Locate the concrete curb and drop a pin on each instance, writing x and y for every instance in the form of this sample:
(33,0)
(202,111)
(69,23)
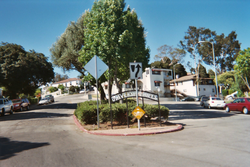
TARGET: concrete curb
(179,127)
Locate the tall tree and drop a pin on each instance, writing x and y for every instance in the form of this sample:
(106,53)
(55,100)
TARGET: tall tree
(59,77)
(242,66)
(203,72)
(23,71)
(116,36)
(65,51)
(174,54)
(226,50)
(211,73)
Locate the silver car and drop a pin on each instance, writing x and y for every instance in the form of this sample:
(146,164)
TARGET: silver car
(6,106)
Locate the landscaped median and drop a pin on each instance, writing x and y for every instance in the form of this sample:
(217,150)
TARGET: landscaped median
(85,117)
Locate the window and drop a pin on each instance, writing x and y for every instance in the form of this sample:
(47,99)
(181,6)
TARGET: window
(127,86)
(156,72)
(106,86)
(213,90)
(157,84)
(204,89)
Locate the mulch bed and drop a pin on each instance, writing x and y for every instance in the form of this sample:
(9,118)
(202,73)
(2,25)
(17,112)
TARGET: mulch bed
(107,126)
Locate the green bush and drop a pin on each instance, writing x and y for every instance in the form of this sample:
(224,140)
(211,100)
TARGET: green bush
(61,87)
(52,89)
(33,100)
(86,112)
(224,92)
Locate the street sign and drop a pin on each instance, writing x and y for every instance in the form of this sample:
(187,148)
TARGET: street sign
(135,70)
(138,112)
(101,67)
(96,67)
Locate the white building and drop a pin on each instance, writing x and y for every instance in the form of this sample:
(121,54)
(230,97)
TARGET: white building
(187,86)
(68,82)
(153,80)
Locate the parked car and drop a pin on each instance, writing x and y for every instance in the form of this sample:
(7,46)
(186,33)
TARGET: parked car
(20,104)
(240,104)
(198,98)
(84,91)
(203,99)
(6,105)
(44,100)
(50,97)
(214,102)
(187,99)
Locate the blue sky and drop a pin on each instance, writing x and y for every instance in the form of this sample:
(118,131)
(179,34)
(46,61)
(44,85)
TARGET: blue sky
(36,24)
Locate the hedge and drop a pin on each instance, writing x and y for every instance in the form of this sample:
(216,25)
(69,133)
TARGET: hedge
(86,112)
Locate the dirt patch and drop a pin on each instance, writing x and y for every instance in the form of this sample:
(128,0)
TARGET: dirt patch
(107,126)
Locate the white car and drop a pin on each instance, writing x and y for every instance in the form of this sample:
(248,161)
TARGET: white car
(6,106)
(83,91)
(44,101)
(214,102)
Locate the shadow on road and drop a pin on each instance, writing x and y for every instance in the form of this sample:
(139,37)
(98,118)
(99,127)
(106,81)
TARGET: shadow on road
(32,115)
(55,106)
(179,115)
(9,148)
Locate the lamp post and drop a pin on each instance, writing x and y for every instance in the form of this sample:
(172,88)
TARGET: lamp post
(214,66)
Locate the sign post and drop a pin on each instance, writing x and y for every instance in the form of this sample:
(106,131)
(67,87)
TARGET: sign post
(136,73)
(100,68)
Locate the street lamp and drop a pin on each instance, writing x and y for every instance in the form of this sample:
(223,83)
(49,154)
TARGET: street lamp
(214,66)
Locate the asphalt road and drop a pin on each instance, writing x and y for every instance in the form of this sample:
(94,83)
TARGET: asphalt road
(47,136)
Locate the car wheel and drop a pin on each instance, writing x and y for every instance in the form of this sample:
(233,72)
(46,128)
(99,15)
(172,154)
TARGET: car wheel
(21,109)
(245,110)
(3,112)
(11,111)
(28,107)
(209,106)
(227,109)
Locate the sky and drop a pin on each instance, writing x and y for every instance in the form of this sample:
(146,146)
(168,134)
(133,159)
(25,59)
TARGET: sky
(36,24)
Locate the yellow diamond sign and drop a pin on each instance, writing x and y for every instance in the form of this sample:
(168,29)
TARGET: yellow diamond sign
(138,112)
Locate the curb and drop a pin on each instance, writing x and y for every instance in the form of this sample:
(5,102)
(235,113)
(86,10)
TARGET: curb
(179,127)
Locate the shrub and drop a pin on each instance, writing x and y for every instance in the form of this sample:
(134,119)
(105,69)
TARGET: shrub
(61,87)
(224,92)
(52,89)
(86,112)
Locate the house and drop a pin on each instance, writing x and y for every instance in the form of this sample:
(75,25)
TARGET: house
(156,80)
(186,86)
(68,82)
(153,80)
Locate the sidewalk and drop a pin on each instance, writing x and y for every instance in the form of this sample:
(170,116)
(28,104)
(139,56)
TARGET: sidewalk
(131,131)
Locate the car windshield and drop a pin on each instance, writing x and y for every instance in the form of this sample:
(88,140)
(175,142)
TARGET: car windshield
(16,101)
(216,98)
(248,99)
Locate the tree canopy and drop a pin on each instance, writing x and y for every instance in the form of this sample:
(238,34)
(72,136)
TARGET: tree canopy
(116,36)
(242,66)
(23,71)
(65,51)
(226,47)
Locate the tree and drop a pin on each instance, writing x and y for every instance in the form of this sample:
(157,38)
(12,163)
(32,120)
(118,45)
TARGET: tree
(65,51)
(226,49)
(117,37)
(23,71)
(179,70)
(203,72)
(242,66)
(175,55)
(211,73)
(59,77)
